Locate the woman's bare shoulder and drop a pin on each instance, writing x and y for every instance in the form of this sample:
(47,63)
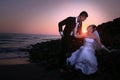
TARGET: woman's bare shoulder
(94,36)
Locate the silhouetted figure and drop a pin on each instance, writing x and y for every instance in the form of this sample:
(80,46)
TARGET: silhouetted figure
(68,39)
(84,58)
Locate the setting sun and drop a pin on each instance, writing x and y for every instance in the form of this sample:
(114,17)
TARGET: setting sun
(84,29)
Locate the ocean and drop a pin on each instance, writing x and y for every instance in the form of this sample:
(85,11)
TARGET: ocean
(12,43)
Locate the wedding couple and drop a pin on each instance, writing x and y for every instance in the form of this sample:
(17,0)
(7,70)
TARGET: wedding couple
(83,58)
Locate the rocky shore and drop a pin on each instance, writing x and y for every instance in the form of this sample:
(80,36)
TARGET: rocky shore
(47,53)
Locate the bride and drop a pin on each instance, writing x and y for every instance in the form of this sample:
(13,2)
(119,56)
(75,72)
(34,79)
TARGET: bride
(84,58)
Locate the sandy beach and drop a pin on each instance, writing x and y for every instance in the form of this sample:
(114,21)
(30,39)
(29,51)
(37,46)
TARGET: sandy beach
(13,61)
(22,69)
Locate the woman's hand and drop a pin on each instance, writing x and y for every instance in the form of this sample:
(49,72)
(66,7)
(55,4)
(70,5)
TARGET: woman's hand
(103,47)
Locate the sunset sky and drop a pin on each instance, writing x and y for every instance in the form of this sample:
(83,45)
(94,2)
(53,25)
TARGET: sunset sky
(42,16)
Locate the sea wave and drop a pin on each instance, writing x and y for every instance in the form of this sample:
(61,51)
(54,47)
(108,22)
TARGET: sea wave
(14,45)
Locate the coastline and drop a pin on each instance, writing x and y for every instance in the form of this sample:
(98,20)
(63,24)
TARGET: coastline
(45,65)
(14,46)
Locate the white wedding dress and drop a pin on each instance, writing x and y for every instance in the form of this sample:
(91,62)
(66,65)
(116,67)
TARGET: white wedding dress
(84,58)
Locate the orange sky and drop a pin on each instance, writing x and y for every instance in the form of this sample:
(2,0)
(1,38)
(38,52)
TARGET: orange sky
(42,17)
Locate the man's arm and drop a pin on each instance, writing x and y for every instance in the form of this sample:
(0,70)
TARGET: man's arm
(61,24)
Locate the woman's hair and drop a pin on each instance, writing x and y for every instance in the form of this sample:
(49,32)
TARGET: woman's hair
(93,26)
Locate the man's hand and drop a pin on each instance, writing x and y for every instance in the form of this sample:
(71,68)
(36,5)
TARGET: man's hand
(61,34)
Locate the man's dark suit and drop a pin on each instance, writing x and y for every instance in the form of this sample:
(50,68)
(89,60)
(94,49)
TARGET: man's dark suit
(69,42)
(70,24)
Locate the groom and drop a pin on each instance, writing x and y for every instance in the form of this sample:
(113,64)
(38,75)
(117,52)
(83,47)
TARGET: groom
(68,39)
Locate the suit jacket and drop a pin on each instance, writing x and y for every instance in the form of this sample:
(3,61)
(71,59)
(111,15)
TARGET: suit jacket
(69,23)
